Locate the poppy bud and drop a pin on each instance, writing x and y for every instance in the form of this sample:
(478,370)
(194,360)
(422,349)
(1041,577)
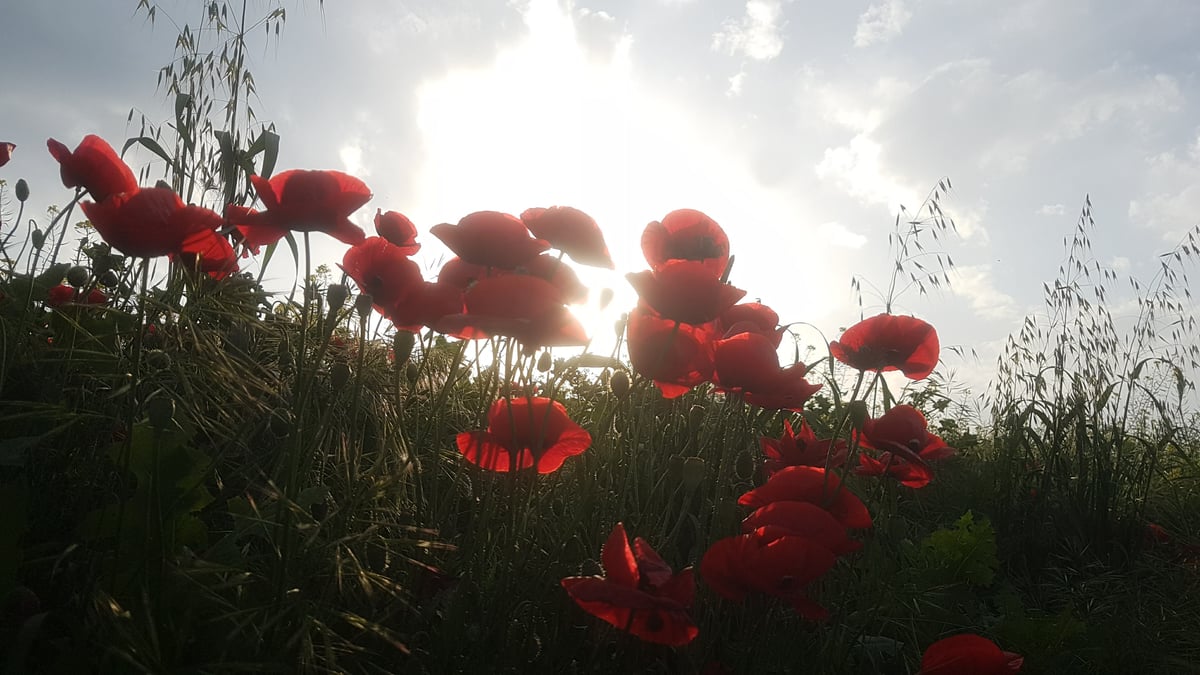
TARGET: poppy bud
(38,238)
(339,375)
(402,345)
(157,359)
(363,304)
(606,297)
(858,415)
(411,372)
(544,362)
(319,510)
(22,190)
(161,411)
(336,294)
(696,416)
(109,279)
(281,422)
(618,384)
(78,276)
(162,184)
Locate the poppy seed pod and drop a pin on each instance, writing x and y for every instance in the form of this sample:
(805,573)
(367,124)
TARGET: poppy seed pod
(544,362)
(22,190)
(109,278)
(618,384)
(157,359)
(78,276)
(411,372)
(38,238)
(363,304)
(336,294)
(402,345)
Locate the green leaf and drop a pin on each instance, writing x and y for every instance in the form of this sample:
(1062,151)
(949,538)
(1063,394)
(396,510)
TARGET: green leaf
(153,146)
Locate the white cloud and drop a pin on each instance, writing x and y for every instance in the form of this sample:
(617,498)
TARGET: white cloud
(756,35)
(839,235)
(1051,210)
(735,84)
(1171,205)
(881,23)
(351,155)
(974,284)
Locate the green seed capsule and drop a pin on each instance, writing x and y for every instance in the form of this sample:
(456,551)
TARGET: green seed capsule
(22,190)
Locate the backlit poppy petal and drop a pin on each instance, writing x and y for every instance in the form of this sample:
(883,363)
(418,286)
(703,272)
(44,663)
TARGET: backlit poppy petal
(888,342)
(683,290)
(571,231)
(94,166)
(686,234)
(490,238)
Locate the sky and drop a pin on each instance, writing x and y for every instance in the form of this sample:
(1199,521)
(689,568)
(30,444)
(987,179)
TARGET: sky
(802,128)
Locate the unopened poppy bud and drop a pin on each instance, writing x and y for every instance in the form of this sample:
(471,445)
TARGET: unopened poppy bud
(858,415)
(363,304)
(78,276)
(281,422)
(38,238)
(411,372)
(402,345)
(337,294)
(339,375)
(618,384)
(161,410)
(544,362)
(319,510)
(22,190)
(158,359)
(109,279)
(606,297)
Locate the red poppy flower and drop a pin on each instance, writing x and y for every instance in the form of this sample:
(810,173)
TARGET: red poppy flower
(461,274)
(571,231)
(968,654)
(149,222)
(677,356)
(490,238)
(1156,534)
(519,306)
(524,432)
(383,270)
(560,274)
(803,519)
(209,253)
(802,449)
(909,474)
(63,294)
(748,365)
(398,230)
(686,234)
(95,166)
(6,150)
(903,434)
(814,485)
(639,594)
(427,306)
(750,317)
(304,201)
(764,561)
(683,290)
(887,342)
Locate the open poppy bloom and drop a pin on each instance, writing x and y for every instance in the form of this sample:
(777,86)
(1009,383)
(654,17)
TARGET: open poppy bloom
(686,234)
(639,593)
(209,253)
(677,356)
(491,239)
(814,485)
(748,365)
(968,654)
(461,274)
(571,231)
(902,433)
(888,342)
(519,306)
(530,431)
(771,562)
(149,222)
(398,230)
(801,449)
(750,317)
(384,271)
(803,519)
(683,290)
(6,150)
(94,166)
(303,201)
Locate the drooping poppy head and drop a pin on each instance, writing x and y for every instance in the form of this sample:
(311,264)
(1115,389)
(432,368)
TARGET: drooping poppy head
(686,234)
(968,654)
(491,239)
(571,231)
(814,485)
(149,222)
(768,562)
(888,342)
(530,431)
(683,290)
(801,449)
(639,593)
(94,166)
(676,356)
(306,201)
(6,150)
(398,230)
